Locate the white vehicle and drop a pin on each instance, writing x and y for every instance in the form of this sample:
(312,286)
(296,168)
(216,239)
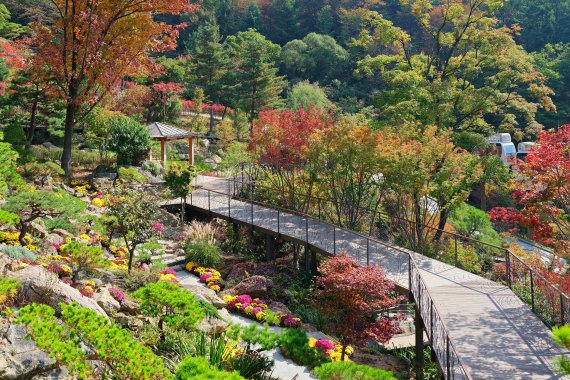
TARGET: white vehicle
(504,147)
(523,148)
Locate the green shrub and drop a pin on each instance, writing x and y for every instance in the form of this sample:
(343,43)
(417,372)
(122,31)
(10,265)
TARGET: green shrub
(8,289)
(131,175)
(204,254)
(83,257)
(60,223)
(295,344)
(198,368)
(251,364)
(18,252)
(138,278)
(174,307)
(81,327)
(129,139)
(351,371)
(153,167)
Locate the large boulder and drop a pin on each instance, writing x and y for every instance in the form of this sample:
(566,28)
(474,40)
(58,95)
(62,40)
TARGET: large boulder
(129,307)
(20,358)
(63,233)
(205,294)
(42,286)
(107,302)
(255,286)
(214,326)
(38,230)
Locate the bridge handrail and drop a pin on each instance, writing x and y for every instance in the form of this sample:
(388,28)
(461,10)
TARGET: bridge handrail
(511,262)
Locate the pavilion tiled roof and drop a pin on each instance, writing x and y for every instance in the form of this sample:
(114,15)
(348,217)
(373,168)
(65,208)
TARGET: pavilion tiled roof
(164,131)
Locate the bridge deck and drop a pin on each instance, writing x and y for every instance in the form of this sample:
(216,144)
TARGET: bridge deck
(495,335)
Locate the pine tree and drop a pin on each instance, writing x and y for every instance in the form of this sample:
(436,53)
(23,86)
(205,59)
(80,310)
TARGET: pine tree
(209,64)
(255,71)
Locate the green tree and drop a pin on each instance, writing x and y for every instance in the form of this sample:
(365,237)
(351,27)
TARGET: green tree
(461,71)
(317,57)
(282,23)
(304,94)
(9,177)
(209,64)
(80,328)
(129,139)
(562,338)
(10,30)
(173,306)
(179,181)
(132,216)
(31,205)
(254,71)
(97,127)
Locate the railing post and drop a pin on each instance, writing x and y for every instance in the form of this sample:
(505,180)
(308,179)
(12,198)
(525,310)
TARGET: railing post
(456,256)
(531,290)
(508,267)
(251,203)
(209,208)
(278,224)
(419,339)
(334,240)
(562,309)
(410,293)
(229,206)
(307,229)
(319,207)
(367,251)
(448,364)
(431,324)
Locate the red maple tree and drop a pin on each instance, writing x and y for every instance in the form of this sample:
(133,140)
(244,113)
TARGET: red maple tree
(542,192)
(94,44)
(355,300)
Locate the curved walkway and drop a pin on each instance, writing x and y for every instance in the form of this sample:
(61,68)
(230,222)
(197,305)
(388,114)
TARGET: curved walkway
(479,329)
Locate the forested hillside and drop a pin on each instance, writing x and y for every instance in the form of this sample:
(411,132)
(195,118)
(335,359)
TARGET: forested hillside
(459,66)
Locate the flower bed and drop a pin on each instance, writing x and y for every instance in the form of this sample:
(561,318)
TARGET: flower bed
(209,276)
(257,309)
(169,275)
(331,349)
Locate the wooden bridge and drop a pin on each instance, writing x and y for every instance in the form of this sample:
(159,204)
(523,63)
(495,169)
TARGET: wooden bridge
(479,329)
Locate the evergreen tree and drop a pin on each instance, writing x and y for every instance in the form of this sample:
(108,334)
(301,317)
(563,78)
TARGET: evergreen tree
(209,64)
(255,73)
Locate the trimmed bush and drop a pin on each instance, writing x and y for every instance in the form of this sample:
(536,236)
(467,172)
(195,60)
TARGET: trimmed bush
(202,253)
(199,368)
(131,175)
(295,345)
(351,371)
(129,139)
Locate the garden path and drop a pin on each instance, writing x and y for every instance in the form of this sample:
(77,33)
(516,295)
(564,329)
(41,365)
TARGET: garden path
(284,369)
(479,329)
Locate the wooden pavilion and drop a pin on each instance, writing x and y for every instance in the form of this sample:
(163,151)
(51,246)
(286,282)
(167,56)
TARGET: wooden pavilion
(164,133)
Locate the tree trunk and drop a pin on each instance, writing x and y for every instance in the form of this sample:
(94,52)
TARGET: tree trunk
(67,138)
(32,126)
(23,228)
(212,120)
(443,215)
(483,197)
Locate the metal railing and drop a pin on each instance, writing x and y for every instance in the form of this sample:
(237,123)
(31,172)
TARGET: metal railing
(546,300)
(276,219)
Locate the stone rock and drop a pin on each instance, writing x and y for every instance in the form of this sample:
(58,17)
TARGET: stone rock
(279,307)
(217,159)
(208,295)
(49,145)
(255,286)
(38,230)
(63,233)
(6,262)
(215,326)
(307,327)
(205,143)
(106,301)
(20,358)
(54,239)
(383,361)
(129,307)
(42,286)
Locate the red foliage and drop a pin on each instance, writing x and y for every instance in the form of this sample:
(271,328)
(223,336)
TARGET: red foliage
(12,56)
(351,296)
(189,106)
(542,192)
(281,138)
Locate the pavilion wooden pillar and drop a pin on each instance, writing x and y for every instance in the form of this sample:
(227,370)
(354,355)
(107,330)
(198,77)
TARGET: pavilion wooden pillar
(163,152)
(191,150)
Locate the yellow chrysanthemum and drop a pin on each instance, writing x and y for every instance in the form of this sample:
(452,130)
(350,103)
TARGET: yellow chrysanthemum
(228,298)
(98,202)
(191,266)
(260,316)
(215,288)
(312,342)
